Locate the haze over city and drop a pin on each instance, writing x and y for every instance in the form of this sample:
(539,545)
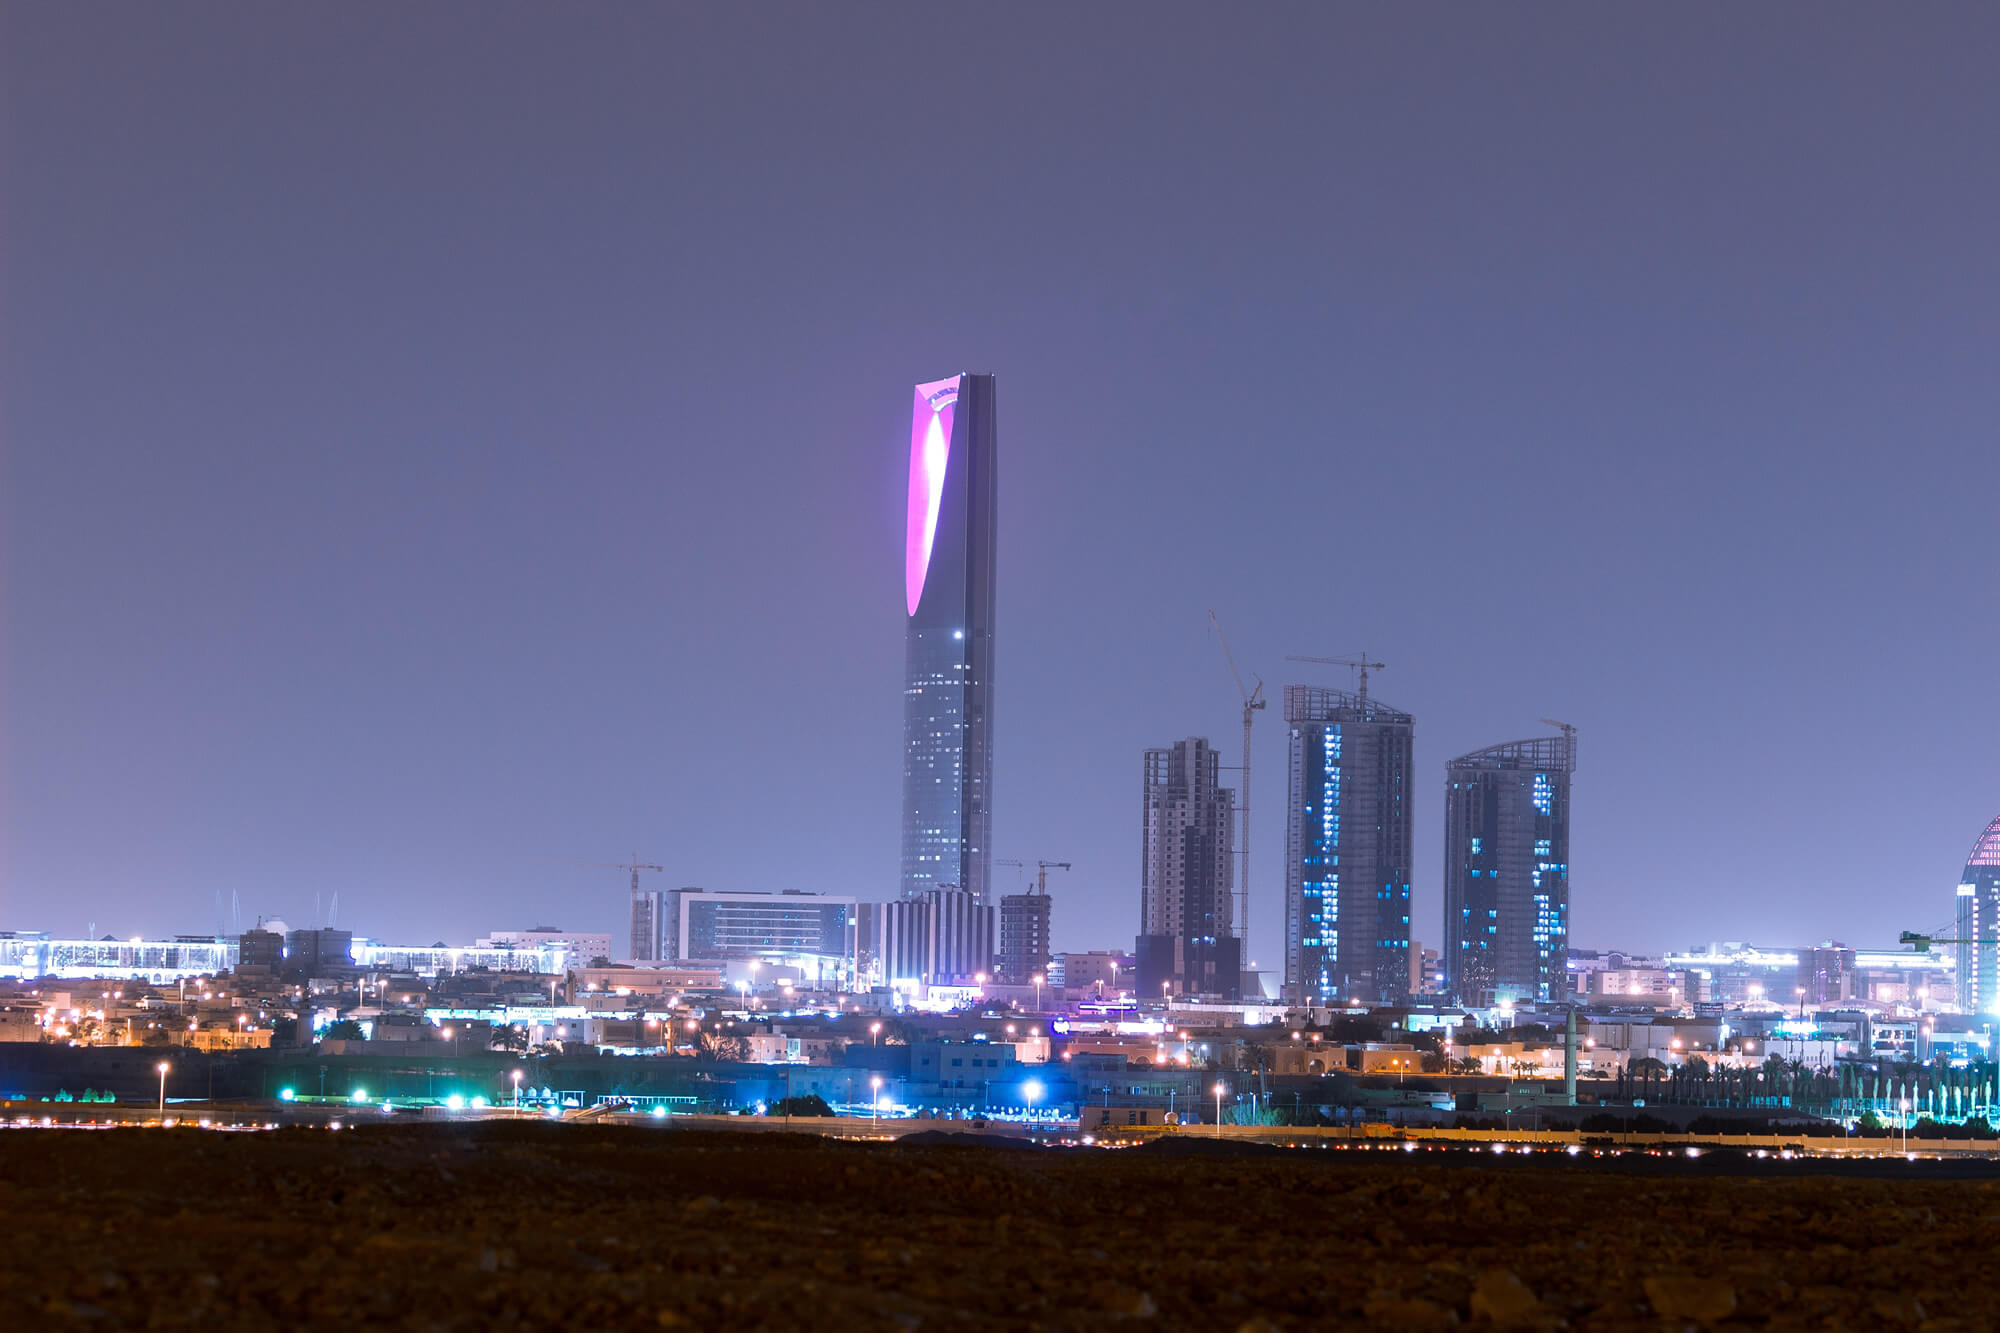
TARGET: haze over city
(445,446)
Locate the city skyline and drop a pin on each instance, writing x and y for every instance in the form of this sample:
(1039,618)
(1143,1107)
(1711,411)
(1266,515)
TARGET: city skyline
(410,500)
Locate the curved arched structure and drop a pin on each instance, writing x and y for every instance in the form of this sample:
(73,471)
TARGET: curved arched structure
(1977,923)
(948,543)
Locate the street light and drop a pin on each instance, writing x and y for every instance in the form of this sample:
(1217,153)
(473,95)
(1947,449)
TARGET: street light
(1038,992)
(1219,1090)
(1906,1126)
(517,1090)
(875,1034)
(874,1101)
(162,1067)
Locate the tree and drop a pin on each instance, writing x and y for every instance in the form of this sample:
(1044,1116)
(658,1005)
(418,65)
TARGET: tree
(513,1037)
(345,1029)
(718,1047)
(809,1104)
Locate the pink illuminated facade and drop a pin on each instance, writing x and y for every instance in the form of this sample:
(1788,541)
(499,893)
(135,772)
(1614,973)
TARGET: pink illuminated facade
(948,544)
(930,451)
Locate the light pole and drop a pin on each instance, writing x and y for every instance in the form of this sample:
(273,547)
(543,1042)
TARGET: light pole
(1219,1090)
(1906,1126)
(162,1067)
(874,1101)
(875,1034)
(517,1090)
(1038,992)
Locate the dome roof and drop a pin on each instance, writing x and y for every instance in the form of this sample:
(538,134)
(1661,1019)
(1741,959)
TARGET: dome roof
(1986,852)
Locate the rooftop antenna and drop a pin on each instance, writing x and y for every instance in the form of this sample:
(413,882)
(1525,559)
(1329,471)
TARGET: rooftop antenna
(1361,662)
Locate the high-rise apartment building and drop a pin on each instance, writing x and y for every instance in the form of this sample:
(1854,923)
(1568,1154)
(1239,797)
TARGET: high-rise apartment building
(1506,871)
(1024,937)
(1978,926)
(1347,848)
(948,639)
(1187,877)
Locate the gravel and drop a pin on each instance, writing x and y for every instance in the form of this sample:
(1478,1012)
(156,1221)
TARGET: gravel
(526,1225)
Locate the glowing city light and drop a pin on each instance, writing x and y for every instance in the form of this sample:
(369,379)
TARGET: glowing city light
(930,451)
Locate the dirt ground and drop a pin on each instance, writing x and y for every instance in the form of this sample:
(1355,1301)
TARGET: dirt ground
(544,1226)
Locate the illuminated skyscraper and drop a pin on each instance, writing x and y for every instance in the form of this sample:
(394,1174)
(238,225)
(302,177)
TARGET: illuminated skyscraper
(948,640)
(1506,871)
(1347,848)
(1187,938)
(1978,922)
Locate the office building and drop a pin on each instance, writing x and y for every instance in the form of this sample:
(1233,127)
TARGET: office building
(583,948)
(260,948)
(1506,871)
(1187,941)
(948,640)
(1347,848)
(1103,973)
(1827,975)
(319,953)
(1977,922)
(807,930)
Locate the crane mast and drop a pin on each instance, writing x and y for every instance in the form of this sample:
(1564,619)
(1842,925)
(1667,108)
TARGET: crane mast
(1253,699)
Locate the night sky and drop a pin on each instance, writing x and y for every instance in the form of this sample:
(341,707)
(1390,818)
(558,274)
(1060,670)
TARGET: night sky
(443,445)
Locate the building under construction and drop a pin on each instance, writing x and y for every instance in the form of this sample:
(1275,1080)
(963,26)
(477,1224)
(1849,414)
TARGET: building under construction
(1187,942)
(1347,847)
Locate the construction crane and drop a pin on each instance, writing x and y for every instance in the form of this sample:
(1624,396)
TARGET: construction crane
(1569,738)
(1253,700)
(1360,663)
(1042,869)
(634,865)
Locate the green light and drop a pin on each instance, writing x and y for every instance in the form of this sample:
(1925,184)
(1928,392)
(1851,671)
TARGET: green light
(285,1094)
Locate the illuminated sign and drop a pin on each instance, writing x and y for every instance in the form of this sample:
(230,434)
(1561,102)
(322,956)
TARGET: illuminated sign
(930,449)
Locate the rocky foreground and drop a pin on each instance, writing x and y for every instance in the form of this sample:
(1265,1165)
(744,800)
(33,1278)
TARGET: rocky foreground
(545,1226)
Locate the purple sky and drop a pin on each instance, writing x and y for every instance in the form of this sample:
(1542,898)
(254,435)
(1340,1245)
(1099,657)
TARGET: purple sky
(445,445)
